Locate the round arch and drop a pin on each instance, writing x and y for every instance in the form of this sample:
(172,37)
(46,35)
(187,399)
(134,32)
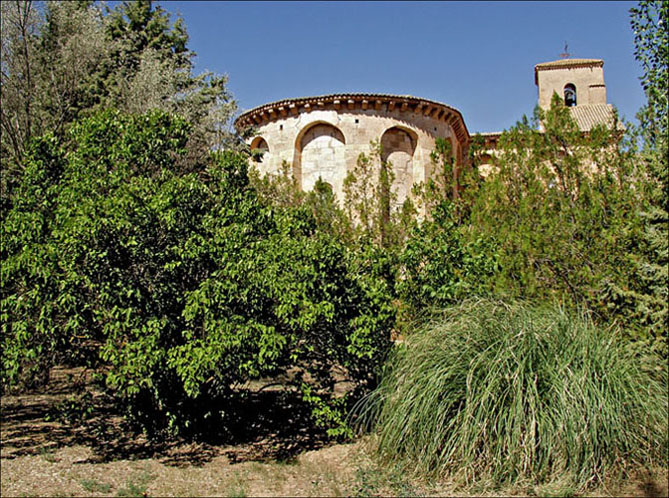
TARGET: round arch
(259,150)
(320,153)
(398,147)
(569,95)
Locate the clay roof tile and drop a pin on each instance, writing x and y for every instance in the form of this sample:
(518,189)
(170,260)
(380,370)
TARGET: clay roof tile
(589,116)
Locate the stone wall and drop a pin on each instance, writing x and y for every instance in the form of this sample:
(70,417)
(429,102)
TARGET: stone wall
(325,140)
(587,75)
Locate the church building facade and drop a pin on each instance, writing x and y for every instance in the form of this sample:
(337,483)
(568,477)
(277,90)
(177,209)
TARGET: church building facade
(323,136)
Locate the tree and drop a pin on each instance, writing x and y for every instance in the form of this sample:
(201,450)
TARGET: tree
(370,201)
(150,67)
(561,206)
(179,281)
(647,299)
(71,59)
(457,185)
(442,265)
(20,25)
(650,23)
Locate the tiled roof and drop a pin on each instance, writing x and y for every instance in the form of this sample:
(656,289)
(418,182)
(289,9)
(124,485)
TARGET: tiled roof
(588,116)
(344,96)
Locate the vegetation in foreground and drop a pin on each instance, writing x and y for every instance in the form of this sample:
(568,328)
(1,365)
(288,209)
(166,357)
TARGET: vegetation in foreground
(93,454)
(510,393)
(182,283)
(182,278)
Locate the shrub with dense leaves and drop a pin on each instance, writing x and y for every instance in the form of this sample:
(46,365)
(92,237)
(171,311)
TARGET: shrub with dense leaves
(506,393)
(440,266)
(178,280)
(565,209)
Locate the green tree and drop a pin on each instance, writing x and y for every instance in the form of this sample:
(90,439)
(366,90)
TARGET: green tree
(180,281)
(371,201)
(442,182)
(280,189)
(442,264)
(649,21)
(646,300)
(564,208)
(71,59)
(360,194)
(150,66)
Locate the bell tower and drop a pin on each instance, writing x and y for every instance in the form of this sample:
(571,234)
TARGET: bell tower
(578,82)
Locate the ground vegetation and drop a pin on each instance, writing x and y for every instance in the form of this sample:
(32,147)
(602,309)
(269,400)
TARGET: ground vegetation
(515,393)
(139,243)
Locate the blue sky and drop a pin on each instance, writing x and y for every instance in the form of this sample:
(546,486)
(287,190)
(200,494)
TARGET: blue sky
(478,57)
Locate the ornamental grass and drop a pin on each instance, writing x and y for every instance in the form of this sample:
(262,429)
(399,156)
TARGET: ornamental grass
(505,394)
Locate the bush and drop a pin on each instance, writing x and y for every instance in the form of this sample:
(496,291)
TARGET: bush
(184,285)
(441,267)
(509,392)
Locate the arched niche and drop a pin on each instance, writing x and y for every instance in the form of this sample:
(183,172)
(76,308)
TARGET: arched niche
(320,152)
(259,150)
(398,147)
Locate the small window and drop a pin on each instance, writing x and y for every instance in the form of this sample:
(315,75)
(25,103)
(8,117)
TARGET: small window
(357,121)
(569,95)
(259,148)
(280,127)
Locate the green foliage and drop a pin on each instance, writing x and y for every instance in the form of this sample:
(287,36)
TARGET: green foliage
(647,299)
(360,193)
(330,415)
(650,20)
(442,182)
(512,393)
(185,284)
(279,190)
(441,266)
(329,217)
(563,208)
(371,202)
(69,60)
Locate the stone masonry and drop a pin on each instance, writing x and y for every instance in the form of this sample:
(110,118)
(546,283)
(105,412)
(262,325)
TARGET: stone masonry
(323,136)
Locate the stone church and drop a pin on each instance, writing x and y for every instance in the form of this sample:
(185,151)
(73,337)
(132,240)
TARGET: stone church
(323,136)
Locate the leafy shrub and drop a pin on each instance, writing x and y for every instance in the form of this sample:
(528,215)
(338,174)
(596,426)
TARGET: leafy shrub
(440,266)
(88,234)
(509,392)
(183,282)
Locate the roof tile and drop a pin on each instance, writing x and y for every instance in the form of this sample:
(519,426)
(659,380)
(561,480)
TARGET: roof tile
(589,116)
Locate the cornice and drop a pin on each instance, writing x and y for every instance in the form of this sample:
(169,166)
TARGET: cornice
(355,101)
(566,64)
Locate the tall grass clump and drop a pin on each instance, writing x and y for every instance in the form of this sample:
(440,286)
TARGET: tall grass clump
(510,393)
